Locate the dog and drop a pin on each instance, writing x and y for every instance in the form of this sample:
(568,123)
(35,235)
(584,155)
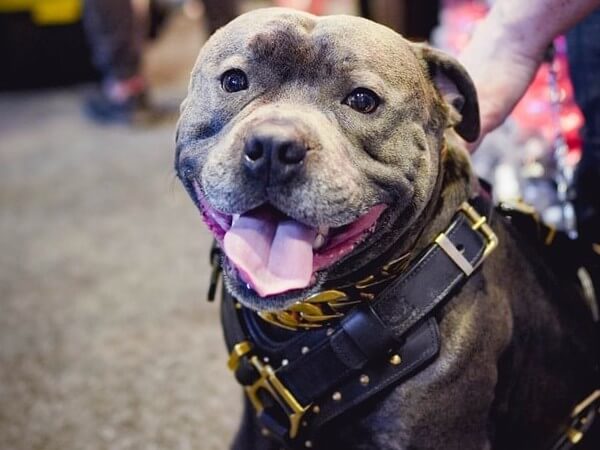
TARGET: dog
(317,148)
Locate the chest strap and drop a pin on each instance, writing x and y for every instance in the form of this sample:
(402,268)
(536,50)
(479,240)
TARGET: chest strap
(301,381)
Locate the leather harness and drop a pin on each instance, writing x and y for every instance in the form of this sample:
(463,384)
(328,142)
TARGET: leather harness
(298,382)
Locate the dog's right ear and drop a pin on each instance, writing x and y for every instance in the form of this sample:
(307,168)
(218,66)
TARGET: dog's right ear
(456,89)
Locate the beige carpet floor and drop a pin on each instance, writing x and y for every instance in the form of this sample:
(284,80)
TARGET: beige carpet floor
(106,341)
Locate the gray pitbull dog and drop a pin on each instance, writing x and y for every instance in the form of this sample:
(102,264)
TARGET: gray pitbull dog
(313,146)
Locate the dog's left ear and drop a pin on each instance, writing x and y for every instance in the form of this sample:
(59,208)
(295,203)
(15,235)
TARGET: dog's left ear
(456,88)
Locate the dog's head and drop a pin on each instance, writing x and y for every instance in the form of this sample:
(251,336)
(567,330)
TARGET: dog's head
(311,144)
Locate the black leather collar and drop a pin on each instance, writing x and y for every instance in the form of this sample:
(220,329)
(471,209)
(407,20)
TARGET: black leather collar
(298,382)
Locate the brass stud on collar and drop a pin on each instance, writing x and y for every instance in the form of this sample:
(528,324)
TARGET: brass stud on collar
(308,444)
(316,409)
(304,350)
(265,432)
(238,305)
(266,359)
(364,379)
(337,396)
(329,331)
(284,362)
(395,359)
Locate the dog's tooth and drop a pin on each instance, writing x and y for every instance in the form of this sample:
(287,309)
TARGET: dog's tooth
(324,230)
(319,241)
(234,218)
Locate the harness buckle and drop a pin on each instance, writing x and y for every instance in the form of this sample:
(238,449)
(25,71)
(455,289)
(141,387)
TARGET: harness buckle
(270,384)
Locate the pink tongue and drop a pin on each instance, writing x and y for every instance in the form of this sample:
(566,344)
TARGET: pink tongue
(272,256)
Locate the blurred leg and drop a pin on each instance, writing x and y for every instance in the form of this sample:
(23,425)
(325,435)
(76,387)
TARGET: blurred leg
(584,58)
(111,30)
(115,38)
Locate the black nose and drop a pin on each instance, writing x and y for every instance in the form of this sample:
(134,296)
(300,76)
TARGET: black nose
(274,154)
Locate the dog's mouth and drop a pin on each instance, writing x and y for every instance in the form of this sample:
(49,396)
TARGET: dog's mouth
(274,253)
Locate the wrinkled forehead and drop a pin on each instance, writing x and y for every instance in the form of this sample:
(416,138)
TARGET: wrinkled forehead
(292,44)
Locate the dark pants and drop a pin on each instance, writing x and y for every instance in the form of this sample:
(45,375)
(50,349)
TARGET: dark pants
(584,59)
(116,37)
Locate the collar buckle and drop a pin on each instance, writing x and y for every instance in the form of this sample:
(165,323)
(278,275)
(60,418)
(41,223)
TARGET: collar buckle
(478,224)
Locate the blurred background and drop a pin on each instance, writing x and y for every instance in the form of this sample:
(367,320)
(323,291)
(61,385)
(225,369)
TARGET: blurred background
(106,341)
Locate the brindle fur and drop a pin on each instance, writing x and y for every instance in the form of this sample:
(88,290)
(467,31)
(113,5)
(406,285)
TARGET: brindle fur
(516,341)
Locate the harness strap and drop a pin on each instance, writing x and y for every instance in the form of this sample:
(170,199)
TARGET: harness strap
(376,345)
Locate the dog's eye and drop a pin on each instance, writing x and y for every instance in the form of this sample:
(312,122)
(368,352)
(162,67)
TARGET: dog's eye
(234,80)
(362,100)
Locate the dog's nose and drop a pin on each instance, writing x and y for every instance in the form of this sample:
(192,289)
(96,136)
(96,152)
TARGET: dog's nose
(274,156)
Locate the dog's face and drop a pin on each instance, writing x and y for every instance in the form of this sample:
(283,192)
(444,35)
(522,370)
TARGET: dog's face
(311,144)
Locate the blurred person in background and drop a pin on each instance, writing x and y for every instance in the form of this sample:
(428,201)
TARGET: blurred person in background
(502,57)
(116,31)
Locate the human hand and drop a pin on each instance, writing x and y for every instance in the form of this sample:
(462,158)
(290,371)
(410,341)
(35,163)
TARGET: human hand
(502,66)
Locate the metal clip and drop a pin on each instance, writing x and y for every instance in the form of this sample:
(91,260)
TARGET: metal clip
(269,383)
(479,223)
(580,422)
(239,350)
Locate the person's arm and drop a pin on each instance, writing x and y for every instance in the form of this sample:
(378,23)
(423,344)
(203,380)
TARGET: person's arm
(508,46)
